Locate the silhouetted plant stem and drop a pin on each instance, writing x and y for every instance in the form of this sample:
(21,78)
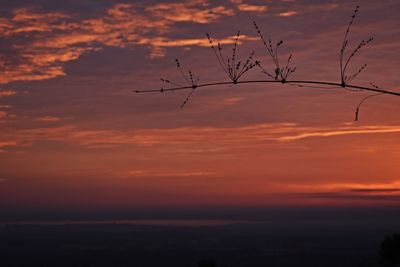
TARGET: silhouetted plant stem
(301,82)
(345,79)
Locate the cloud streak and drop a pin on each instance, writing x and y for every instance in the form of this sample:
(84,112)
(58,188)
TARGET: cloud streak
(250,135)
(343,131)
(6,93)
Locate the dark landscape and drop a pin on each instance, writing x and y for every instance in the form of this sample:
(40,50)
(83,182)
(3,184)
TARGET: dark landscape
(314,240)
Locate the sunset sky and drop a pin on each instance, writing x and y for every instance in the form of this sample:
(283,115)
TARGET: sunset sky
(74,135)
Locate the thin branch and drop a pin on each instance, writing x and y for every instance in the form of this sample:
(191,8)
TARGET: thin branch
(281,74)
(345,42)
(365,99)
(231,66)
(362,101)
(302,82)
(343,67)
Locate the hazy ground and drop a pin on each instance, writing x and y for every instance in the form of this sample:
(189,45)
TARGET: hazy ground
(268,243)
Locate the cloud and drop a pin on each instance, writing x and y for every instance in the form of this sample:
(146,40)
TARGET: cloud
(391,186)
(49,119)
(191,11)
(6,106)
(288,14)
(44,41)
(159,44)
(241,6)
(231,101)
(389,191)
(4,144)
(342,196)
(215,137)
(375,190)
(343,131)
(6,93)
(158,173)
(252,8)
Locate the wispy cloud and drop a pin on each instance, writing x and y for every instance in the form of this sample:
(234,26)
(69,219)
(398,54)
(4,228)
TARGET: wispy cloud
(6,93)
(159,44)
(191,11)
(252,8)
(288,13)
(343,131)
(6,106)
(231,101)
(250,135)
(4,144)
(166,173)
(242,6)
(388,192)
(48,119)
(391,186)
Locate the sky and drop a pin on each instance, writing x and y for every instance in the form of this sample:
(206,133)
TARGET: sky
(73,134)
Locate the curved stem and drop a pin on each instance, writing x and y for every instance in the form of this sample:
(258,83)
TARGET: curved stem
(304,82)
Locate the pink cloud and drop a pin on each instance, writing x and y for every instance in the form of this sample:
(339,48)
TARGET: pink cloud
(49,119)
(288,13)
(6,93)
(6,106)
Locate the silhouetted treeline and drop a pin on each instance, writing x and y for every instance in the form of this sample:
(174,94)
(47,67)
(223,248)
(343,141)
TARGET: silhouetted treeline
(390,250)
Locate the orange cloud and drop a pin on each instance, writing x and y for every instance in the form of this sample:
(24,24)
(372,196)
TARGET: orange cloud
(186,137)
(288,13)
(159,44)
(343,131)
(25,14)
(55,38)
(252,8)
(249,8)
(7,143)
(191,11)
(232,101)
(48,119)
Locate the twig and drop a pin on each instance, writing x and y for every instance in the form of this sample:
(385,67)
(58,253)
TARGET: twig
(280,74)
(365,99)
(343,67)
(233,69)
